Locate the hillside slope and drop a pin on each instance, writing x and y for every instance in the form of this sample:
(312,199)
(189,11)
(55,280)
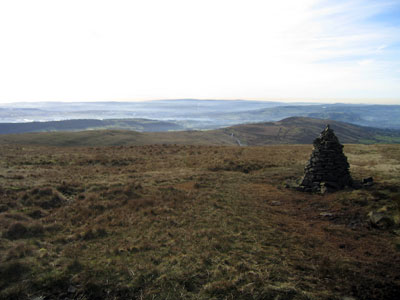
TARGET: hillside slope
(302,130)
(295,130)
(89,124)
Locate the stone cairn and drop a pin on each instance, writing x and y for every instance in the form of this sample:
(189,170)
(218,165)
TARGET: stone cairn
(328,169)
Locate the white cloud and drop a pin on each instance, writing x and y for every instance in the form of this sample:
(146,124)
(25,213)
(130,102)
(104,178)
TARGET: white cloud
(365,62)
(112,50)
(380,48)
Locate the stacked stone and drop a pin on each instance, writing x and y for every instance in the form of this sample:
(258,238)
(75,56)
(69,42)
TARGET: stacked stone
(328,169)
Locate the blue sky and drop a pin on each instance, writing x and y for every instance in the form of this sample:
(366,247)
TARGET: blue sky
(294,50)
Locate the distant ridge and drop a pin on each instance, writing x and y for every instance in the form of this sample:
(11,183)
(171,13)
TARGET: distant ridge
(89,124)
(293,130)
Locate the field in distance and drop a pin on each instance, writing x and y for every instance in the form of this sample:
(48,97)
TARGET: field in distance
(194,222)
(294,130)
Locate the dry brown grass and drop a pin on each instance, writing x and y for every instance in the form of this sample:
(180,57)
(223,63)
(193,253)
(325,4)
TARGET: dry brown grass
(192,222)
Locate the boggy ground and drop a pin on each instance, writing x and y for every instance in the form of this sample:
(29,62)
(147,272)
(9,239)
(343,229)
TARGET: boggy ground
(193,222)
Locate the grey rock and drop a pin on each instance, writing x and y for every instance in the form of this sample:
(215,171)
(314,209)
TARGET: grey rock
(326,214)
(323,189)
(368,181)
(381,219)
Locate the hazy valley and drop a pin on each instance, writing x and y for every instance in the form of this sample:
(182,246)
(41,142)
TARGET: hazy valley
(189,114)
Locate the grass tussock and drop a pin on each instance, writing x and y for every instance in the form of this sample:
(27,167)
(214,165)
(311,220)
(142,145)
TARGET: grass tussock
(19,230)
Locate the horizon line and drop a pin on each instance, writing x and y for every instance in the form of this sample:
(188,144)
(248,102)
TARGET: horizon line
(365,101)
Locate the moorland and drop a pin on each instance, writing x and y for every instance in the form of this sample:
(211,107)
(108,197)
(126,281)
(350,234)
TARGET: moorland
(172,221)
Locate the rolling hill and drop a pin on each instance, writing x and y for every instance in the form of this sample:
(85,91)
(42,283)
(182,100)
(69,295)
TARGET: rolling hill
(89,124)
(379,116)
(303,130)
(294,130)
